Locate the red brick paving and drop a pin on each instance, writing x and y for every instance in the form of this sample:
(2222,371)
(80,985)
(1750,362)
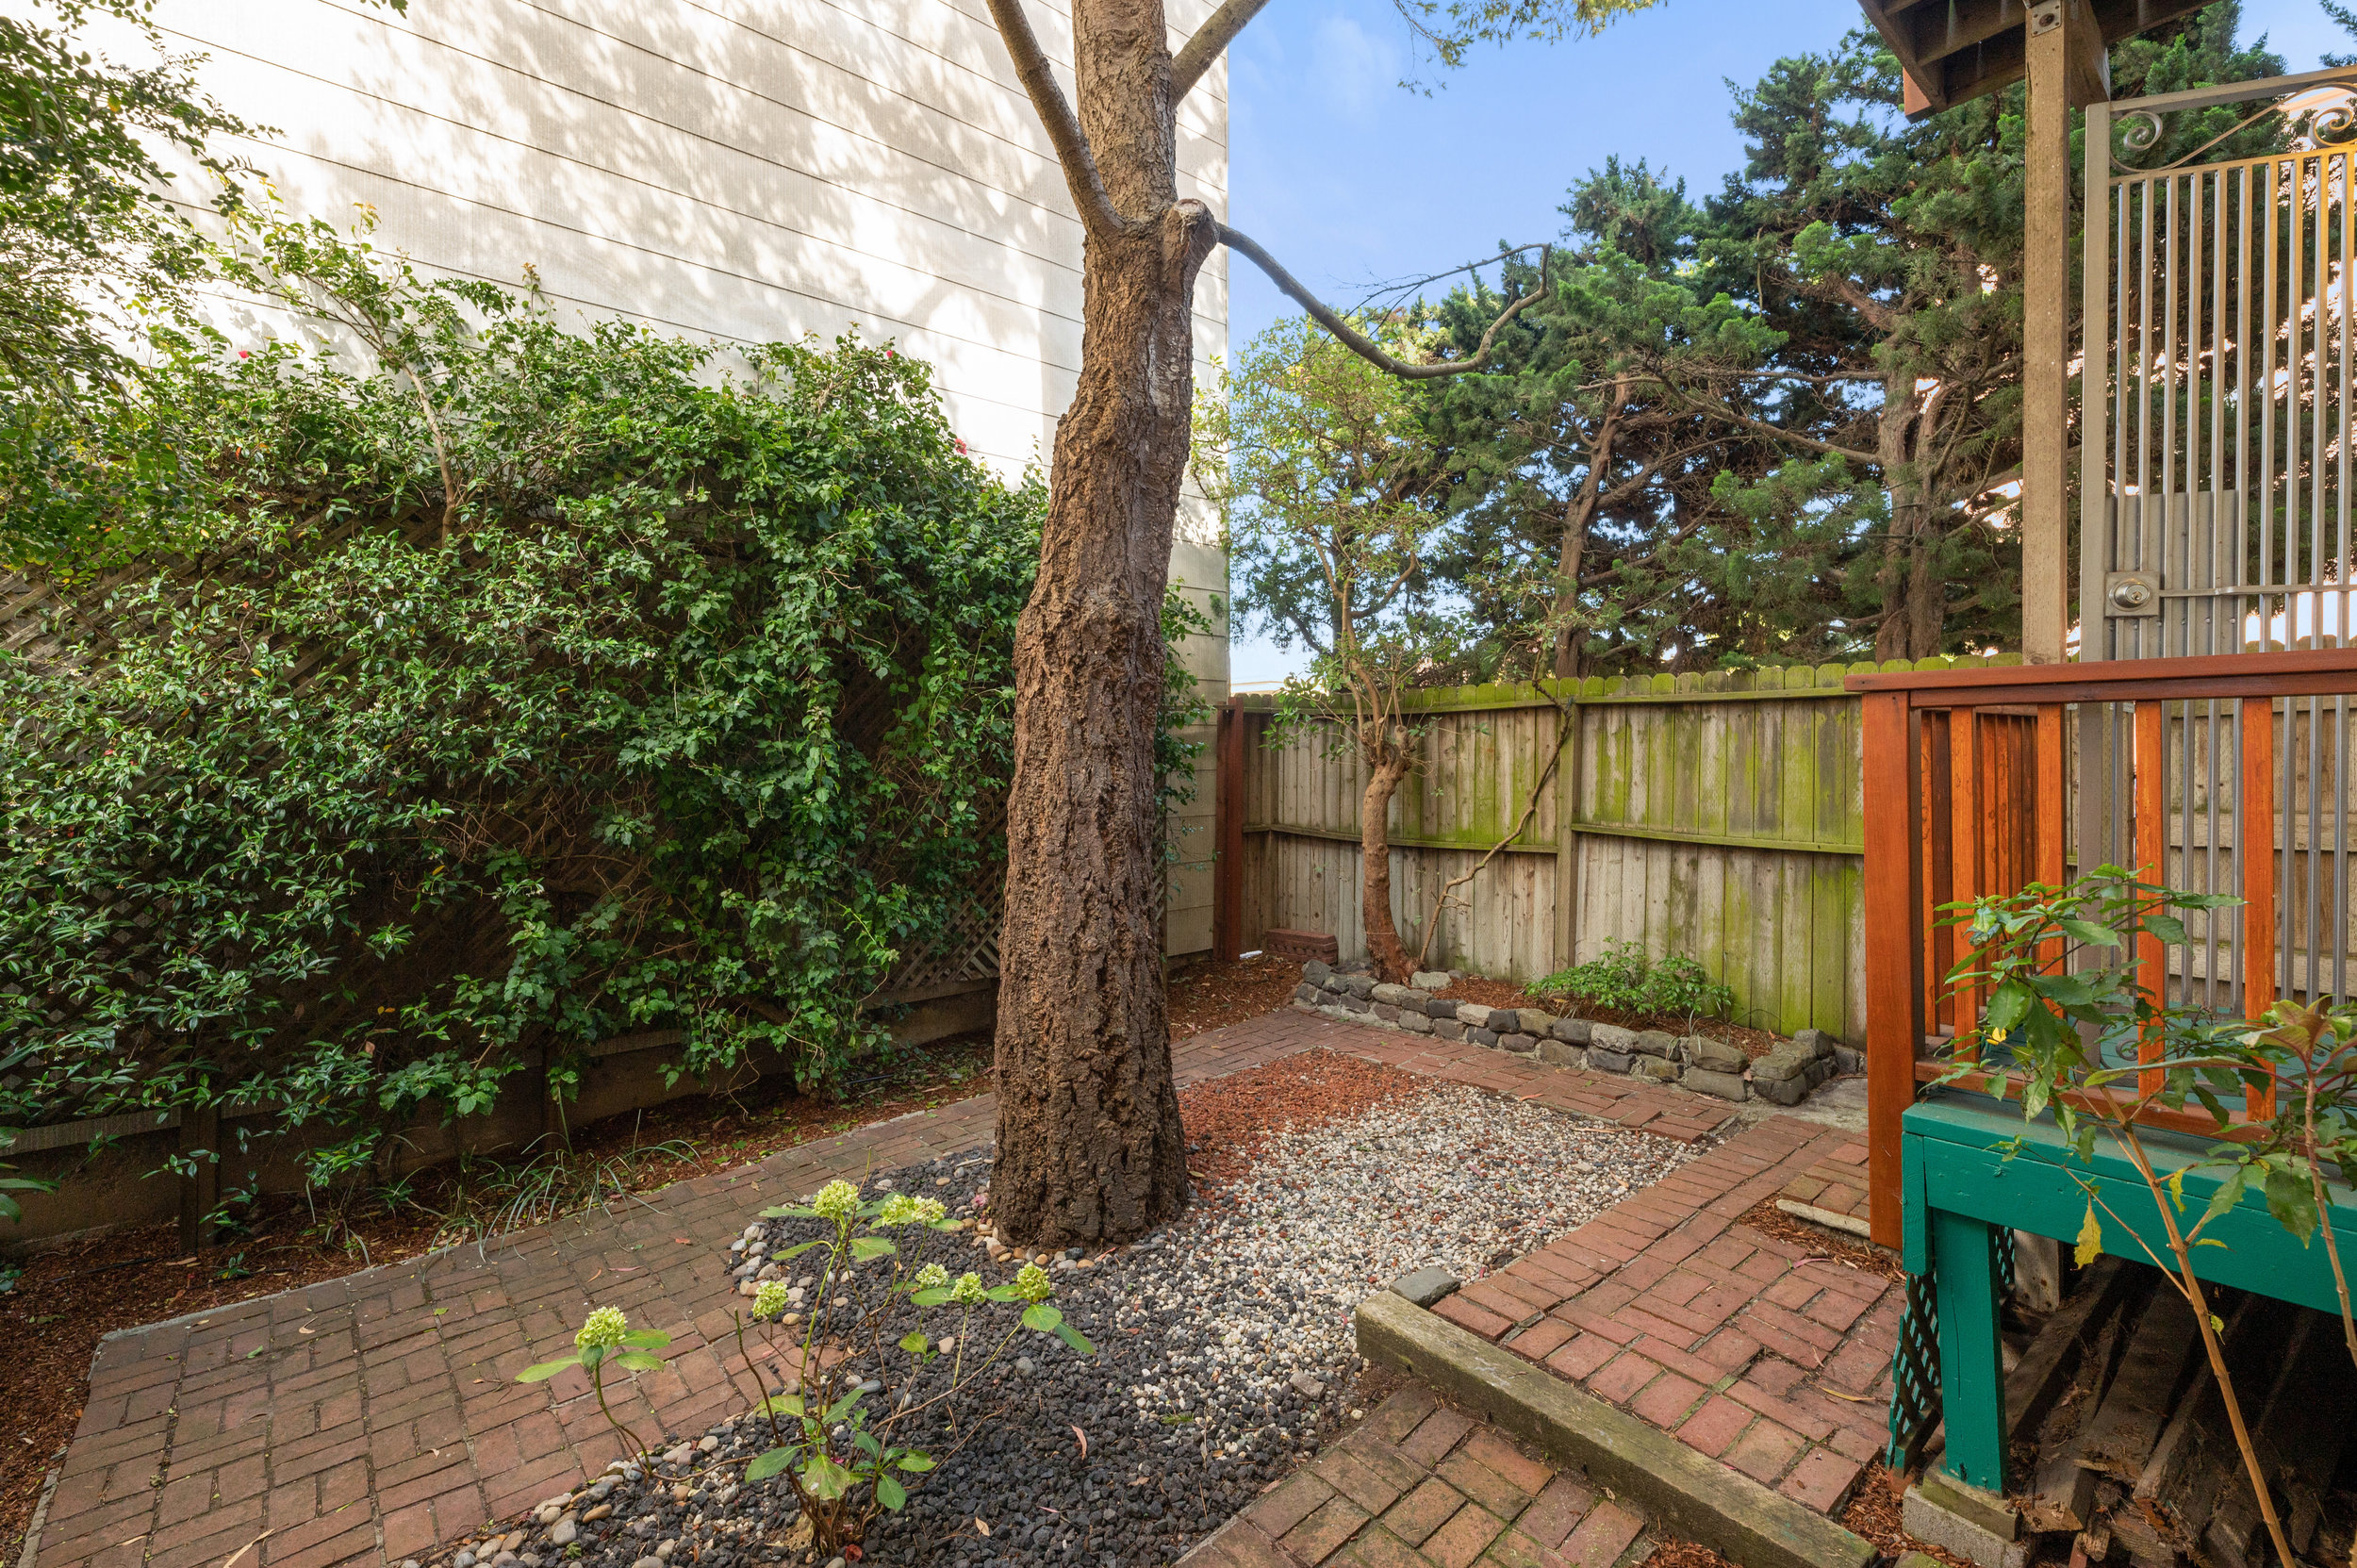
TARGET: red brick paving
(1458,1494)
(1748,1349)
(363,1419)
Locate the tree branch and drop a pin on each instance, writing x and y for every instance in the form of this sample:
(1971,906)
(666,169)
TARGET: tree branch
(1098,211)
(1217,32)
(1357,342)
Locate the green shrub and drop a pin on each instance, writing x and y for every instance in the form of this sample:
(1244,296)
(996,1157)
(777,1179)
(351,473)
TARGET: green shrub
(1625,980)
(518,689)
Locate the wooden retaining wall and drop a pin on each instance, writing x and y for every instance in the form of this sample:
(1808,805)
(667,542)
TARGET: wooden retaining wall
(1715,817)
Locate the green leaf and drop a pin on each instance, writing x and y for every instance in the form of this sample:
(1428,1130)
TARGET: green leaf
(914,1342)
(782,1404)
(915,1461)
(2293,1202)
(866,1444)
(787,1210)
(546,1370)
(771,1463)
(864,1249)
(891,1493)
(2007,1006)
(646,1339)
(790,1253)
(825,1479)
(590,1355)
(638,1361)
(1074,1338)
(930,1297)
(1042,1317)
(1001,1292)
(2229,1193)
(2090,1238)
(2168,927)
(2083,931)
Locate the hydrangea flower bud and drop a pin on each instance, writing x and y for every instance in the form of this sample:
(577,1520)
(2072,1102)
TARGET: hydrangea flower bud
(968,1291)
(1032,1284)
(770,1299)
(837,1201)
(604,1328)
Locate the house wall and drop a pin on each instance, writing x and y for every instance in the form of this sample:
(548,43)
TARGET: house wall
(735,169)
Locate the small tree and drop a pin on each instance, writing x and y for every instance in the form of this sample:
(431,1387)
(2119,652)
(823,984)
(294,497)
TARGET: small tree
(1324,471)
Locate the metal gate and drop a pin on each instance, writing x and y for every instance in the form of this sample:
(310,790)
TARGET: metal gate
(2217,474)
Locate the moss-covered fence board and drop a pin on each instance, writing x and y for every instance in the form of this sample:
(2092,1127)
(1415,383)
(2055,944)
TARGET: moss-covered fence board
(1712,815)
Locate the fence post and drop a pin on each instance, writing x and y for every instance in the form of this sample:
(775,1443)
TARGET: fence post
(1567,838)
(1228,821)
(200,1192)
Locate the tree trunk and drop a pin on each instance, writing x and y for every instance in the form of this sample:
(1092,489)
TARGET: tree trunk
(1384,948)
(1915,600)
(1090,1148)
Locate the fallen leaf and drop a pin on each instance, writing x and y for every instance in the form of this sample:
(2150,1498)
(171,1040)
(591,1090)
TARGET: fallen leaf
(1084,1440)
(979,1525)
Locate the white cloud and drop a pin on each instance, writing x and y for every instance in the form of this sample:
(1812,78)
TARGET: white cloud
(1353,68)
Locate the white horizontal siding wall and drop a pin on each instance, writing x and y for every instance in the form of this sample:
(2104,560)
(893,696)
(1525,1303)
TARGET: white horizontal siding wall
(739,170)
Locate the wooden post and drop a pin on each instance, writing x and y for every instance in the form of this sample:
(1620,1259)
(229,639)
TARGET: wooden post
(1894,948)
(1971,1370)
(200,1193)
(2069,68)
(1567,840)
(1228,819)
(2255,854)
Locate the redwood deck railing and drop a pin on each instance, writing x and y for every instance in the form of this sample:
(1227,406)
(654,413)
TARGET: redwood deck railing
(1967,794)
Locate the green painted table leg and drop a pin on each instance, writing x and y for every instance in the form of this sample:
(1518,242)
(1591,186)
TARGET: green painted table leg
(1971,1368)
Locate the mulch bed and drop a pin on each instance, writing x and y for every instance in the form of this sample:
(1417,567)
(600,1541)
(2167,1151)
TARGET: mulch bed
(1216,993)
(1822,1239)
(1230,1120)
(70,1296)
(1874,1512)
(1754,1043)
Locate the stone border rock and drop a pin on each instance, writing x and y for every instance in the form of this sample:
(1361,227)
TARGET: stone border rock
(1679,1487)
(1786,1076)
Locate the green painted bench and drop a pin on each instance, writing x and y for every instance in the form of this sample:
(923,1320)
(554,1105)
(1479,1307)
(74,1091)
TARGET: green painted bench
(1959,1198)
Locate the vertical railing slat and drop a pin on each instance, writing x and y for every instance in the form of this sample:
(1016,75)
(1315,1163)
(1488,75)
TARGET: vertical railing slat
(2152,826)
(1966,834)
(2254,851)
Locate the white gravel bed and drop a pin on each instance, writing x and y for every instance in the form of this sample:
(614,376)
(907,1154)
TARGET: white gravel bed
(1226,1354)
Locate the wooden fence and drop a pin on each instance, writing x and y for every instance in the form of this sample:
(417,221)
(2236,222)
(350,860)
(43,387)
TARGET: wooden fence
(1714,816)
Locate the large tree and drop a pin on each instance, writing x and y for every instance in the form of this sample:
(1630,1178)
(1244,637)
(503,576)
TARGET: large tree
(1089,1146)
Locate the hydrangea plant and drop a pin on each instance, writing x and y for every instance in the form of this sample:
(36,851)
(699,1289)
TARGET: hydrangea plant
(834,1447)
(606,1339)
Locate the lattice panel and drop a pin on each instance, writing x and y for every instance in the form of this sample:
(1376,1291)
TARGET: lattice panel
(1915,1374)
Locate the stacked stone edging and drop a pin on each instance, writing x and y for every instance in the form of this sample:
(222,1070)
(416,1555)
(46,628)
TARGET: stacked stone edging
(1785,1075)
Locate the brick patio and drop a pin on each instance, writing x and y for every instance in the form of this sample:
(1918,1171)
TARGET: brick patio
(1419,1485)
(364,1419)
(1759,1353)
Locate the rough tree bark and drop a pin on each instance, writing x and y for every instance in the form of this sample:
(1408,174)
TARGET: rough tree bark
(1089,1146)
(1392,959)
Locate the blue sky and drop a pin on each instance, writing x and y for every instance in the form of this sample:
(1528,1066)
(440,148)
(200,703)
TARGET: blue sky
(1350,180)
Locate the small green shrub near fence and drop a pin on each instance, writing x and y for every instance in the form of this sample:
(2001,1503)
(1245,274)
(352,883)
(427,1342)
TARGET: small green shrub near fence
(1626,979)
